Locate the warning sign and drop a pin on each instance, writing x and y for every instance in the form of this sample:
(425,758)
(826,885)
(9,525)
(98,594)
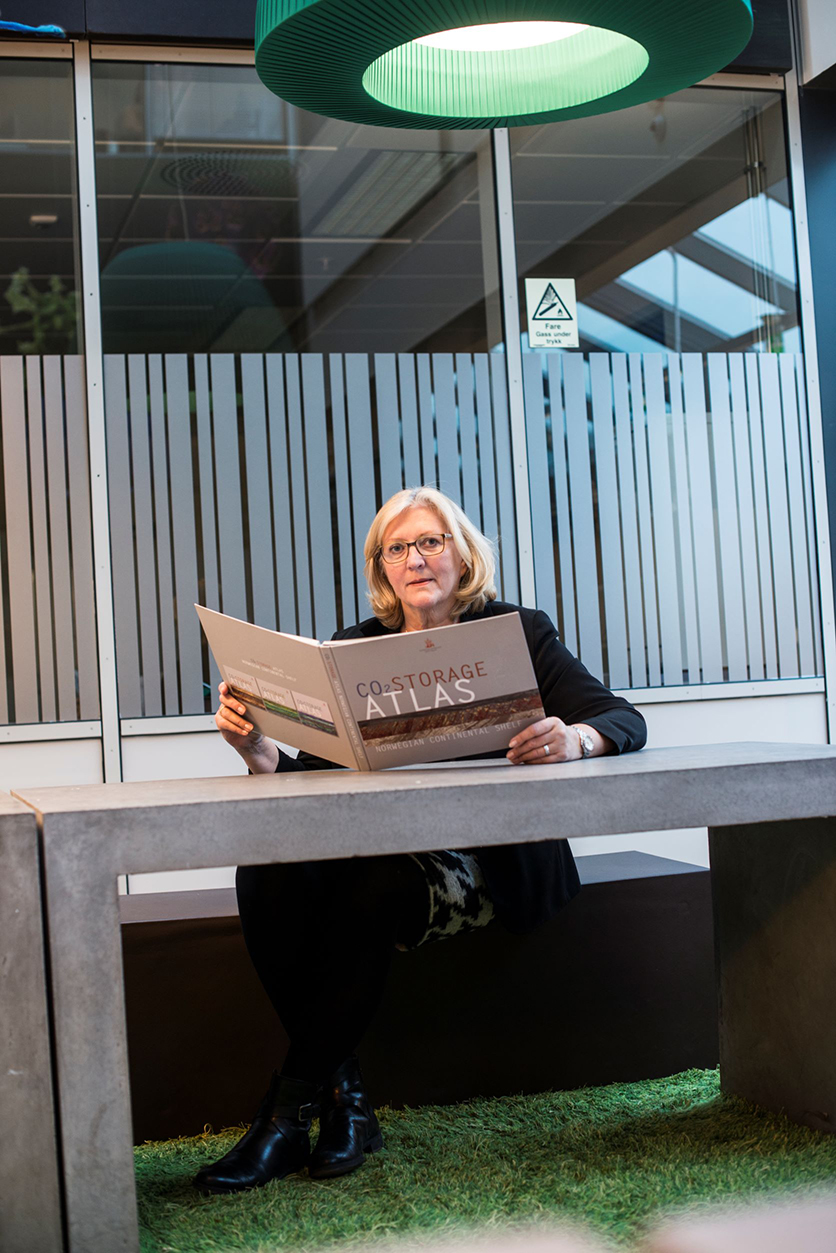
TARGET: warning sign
(552,312)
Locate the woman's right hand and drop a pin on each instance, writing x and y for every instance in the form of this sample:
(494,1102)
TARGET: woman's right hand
(260,754)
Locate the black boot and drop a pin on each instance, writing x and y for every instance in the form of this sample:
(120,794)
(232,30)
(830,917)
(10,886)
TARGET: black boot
(277,1143)
(348,1128)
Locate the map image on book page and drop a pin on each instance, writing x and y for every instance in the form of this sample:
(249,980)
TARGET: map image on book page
(296,706)
(454,691)
(443,714)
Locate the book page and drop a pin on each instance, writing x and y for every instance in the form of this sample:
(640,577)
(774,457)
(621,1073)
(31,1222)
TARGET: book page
(283,681)
(447,692)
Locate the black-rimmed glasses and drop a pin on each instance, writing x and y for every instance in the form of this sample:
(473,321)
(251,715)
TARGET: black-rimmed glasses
(427,545)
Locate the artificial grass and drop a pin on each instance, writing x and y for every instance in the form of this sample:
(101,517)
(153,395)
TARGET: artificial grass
(612,1158)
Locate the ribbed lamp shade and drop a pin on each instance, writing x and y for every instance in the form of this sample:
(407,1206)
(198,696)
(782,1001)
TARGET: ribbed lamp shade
(449,64)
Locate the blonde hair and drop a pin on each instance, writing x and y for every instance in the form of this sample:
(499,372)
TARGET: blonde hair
(477,585)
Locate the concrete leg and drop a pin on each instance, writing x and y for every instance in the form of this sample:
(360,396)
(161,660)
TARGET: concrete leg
(92,1061)
(30,1210)
(774,890)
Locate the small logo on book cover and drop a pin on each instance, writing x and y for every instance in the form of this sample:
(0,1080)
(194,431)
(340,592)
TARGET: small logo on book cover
(429,644)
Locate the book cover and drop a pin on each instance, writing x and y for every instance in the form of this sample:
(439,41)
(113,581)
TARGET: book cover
(450,691)
(391,700)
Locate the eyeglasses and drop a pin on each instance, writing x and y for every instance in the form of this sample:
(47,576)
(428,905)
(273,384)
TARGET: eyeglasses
(427,545)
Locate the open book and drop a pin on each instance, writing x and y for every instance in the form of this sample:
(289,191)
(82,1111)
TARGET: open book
(392,700)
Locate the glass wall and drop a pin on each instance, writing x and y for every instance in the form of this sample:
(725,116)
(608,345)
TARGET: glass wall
(669,467)
(48,658)
(673,218)
(297,316)
(300,316)
(230,221)
(38,207)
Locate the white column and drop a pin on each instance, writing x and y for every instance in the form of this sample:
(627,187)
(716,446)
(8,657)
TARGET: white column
(513,361)
(91,320)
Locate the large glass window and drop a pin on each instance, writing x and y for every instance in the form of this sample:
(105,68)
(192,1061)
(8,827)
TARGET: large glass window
(230,221)
(669,458)
(48,661)
(38,254)
(673,218)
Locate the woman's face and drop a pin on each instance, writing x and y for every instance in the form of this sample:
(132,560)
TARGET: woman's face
(423,584)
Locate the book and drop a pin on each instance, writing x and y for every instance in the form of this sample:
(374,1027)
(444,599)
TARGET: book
(392,700)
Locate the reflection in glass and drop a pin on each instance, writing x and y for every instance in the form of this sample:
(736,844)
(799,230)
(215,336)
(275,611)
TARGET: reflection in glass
(230,221)
(38,236)
(673,218)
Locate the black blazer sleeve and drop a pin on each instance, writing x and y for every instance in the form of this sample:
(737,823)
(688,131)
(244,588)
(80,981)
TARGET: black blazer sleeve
(530,883)
(571,693)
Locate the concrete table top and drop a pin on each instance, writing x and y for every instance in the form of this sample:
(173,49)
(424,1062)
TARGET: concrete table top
(238,817)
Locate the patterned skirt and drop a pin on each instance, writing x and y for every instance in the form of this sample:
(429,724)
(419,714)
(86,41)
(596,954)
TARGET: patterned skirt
(458,895)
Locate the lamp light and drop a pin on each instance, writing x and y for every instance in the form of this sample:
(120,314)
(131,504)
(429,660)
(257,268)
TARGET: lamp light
(447,64)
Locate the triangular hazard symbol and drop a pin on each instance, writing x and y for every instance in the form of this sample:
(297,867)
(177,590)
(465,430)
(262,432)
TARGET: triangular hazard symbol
(551,308)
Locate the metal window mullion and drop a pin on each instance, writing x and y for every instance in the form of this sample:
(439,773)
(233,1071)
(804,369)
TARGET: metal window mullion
(513,361)
(94,377)
(35,49)
(195,54)
(811,371)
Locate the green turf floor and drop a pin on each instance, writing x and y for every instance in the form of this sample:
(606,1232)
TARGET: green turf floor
(612,1158)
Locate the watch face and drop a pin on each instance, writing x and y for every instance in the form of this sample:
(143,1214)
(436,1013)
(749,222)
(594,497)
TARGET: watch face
(586,744)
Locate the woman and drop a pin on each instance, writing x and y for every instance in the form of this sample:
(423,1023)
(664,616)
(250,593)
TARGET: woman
(321,934)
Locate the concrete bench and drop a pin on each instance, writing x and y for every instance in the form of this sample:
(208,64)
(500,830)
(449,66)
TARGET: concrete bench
(631,959)
(769,808)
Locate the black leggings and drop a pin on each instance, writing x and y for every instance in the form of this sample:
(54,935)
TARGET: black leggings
(321,937)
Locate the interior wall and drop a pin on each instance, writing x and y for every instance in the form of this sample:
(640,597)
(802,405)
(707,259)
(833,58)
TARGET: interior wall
(50,763)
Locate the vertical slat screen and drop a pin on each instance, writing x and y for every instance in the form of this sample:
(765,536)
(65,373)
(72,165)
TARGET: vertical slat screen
(282,530)
(59,533)
(40,539)
(671,501)
(48,653)
(774,454)
(807,488)
(659,470)
(160,479)
(84,607)
(509,566)
(746,514)
(684,525)
(798,526)
(345,529)
(629,522)
(184,533)
(767,589)
(541,513)
(682,515)
(319,497)
(645,519)
(126,618)
(612,570)
(727,531)
(252,481)
(18,540)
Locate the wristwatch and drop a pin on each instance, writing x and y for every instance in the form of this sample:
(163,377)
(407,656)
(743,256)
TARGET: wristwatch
(587,746)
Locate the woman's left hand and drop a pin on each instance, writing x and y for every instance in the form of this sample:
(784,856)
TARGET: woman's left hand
(544,741)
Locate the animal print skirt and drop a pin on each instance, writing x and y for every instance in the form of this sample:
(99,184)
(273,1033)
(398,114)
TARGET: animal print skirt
(458,895)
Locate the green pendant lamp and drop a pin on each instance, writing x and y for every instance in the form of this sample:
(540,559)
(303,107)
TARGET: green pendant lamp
(451,64)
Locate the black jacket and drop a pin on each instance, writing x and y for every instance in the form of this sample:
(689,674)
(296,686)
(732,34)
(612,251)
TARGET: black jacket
(529,883)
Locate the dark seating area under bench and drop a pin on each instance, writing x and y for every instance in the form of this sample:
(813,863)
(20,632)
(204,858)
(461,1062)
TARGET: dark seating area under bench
(620,986)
